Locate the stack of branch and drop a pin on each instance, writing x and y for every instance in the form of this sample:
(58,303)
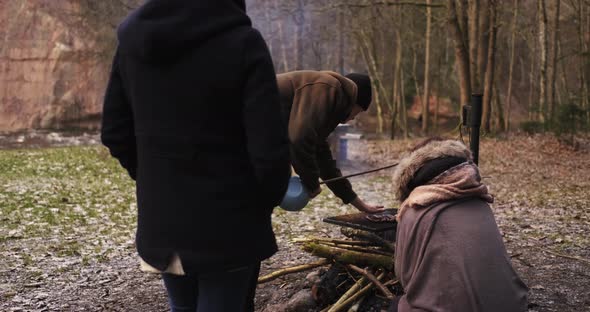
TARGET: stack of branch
(367,256)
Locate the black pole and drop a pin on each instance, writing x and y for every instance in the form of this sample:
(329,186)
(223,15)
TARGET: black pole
(474,123)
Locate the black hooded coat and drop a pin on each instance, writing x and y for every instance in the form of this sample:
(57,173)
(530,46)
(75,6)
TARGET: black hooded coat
(191,111)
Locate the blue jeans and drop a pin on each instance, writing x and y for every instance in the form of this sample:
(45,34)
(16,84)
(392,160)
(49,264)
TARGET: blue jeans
(223,291)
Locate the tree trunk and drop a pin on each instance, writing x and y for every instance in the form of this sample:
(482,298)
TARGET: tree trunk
(565,83)
(489,77)
(461,53)
(268,20)
(378,89)
(584,93)
(543,59)
(426,97)
(483,42)
(403,107)
(281,39)
(377,100)
(511,67)
(532,83)
(474,39)
(397,78)
(438,91)
(299,18)
(340,41)
(462,11)
(414,75)
(552,68)
(499,111)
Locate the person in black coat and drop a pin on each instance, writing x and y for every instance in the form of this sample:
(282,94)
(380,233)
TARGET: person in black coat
(191,112)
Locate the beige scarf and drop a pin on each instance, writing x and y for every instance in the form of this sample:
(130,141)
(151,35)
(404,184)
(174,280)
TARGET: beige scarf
(458,182)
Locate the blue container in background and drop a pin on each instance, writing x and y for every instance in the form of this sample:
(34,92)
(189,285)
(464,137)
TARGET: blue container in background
(343,148)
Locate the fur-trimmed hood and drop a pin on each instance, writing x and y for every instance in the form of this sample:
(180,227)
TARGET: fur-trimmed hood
(413,161)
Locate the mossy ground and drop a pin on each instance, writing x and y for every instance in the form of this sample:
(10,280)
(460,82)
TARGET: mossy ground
(68,219)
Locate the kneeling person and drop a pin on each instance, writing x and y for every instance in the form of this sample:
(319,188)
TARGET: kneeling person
(449,253)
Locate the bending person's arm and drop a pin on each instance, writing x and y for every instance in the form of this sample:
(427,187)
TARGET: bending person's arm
(310,114)
(341,188)
(328,170)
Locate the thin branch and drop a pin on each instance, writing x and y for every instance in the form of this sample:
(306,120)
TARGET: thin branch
(295,269)
(349,293)
(373,280)
(384,3)
(357,248)
(355,297)
(565,256)
(392,3)
(335,241)
(367,236)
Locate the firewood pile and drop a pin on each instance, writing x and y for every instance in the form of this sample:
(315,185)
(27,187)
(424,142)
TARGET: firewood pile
(360,275)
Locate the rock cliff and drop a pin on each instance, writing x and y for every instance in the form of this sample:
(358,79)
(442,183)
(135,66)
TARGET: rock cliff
(55,59)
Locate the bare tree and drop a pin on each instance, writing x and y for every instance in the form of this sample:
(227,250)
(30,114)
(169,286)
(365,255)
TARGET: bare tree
(552,68)
(542,59)
(299,19)
(397,81)
(511,66)
(489,74)
(483,38)
(473,34)
(426,97)
(584,58)
(457,26)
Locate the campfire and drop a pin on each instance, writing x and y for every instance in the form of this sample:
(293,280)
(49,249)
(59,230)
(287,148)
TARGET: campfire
(359,272)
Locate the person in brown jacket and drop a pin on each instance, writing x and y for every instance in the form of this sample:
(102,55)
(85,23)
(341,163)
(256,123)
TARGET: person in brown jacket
(314,103)
(449,254)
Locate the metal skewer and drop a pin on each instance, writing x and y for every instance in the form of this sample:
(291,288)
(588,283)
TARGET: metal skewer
(358,173)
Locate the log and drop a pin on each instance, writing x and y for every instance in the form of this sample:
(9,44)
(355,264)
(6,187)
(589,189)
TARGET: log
(358,248)
(348,256)
(295,269)
(363,235)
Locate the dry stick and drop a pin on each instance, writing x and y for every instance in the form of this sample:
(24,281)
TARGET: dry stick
(353,298)
(368,236)
(565,256)
(374,280)
(335,241)
(363,249)
(351,291)
(348,256)
(295,269)
(361,244)
(344,241)
(357,248)
(391,283)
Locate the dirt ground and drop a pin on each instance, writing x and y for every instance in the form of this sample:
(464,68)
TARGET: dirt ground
(67,226)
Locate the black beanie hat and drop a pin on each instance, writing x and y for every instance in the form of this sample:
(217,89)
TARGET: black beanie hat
(364,91)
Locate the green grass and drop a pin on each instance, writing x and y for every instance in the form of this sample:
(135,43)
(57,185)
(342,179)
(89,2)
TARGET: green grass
(78,202)
(78,197)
